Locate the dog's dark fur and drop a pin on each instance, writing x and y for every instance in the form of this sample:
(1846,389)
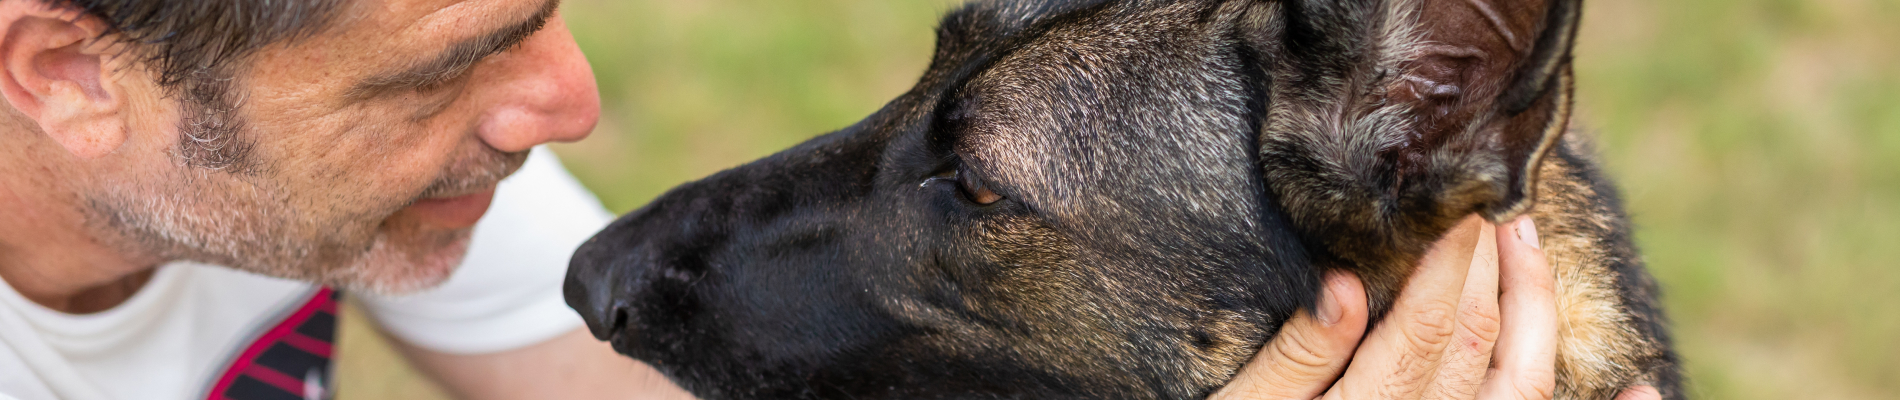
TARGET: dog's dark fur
(1175,176)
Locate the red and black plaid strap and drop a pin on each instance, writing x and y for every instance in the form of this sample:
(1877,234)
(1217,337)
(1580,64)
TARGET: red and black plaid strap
(290,361)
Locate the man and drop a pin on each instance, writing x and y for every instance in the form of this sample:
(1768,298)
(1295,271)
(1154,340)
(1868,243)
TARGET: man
(311,145)
(186,186)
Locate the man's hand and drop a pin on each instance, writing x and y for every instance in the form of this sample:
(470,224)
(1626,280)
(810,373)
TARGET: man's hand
(570,366)
(1477,320)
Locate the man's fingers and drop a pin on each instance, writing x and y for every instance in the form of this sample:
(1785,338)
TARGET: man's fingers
(1525,362)
(1469,354)
(1402,354)
(1310,350)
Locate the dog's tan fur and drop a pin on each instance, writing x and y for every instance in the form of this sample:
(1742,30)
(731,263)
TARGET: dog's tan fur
(1599,342)
(1596,338)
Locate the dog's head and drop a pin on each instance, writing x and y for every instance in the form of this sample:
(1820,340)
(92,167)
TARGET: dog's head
(1089,199)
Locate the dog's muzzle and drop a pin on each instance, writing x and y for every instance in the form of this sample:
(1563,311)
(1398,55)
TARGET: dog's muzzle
(592,286)
(639,260)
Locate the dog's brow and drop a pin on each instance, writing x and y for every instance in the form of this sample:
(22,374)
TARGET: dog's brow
(452,63)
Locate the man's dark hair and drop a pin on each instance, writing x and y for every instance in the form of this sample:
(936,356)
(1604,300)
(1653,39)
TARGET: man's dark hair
(195,47)
(180,38)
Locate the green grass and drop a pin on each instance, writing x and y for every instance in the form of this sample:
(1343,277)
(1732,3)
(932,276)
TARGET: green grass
(694,87)
(1757,142)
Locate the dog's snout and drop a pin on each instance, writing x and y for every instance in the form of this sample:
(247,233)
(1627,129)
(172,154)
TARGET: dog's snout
(594,307)
(584,299)
(592,290)
(647,256)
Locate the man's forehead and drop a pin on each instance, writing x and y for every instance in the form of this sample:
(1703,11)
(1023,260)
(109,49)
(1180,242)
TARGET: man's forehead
(437,16)
(379,35)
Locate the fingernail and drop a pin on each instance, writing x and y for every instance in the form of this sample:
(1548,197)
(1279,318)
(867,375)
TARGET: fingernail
(1527,232)
(1329,309)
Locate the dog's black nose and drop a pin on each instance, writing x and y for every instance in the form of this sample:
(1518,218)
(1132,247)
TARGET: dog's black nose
(603,317)
(590,290)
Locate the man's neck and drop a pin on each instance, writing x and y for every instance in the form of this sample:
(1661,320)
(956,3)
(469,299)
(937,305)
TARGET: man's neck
(47,251)
(91,299)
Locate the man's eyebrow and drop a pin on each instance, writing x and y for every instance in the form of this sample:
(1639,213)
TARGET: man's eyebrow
(453,62)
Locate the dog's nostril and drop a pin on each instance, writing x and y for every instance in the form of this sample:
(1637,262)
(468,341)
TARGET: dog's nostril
(617,320)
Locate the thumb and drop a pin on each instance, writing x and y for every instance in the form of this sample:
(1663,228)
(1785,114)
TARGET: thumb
(1310,351)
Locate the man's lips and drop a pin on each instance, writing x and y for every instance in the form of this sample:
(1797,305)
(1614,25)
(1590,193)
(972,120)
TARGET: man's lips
(452,212)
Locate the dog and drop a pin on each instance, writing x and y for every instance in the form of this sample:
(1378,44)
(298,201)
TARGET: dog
(1123,199)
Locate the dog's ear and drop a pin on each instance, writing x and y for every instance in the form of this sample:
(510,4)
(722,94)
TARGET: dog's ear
(1442,104)
(1485,76)
(1387,121)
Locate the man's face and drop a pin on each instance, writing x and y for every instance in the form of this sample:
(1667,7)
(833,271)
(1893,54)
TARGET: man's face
(373,146)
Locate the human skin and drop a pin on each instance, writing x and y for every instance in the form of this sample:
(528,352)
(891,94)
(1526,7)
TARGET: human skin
(1477,320)
(373,191)
(366,190)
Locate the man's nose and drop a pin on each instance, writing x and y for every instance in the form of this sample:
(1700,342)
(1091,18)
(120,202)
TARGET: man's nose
(543,92)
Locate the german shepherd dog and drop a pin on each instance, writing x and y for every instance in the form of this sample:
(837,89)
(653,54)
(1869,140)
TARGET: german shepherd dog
(1123,199)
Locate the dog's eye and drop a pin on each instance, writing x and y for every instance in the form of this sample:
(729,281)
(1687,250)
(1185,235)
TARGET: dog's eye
(969,183)
(973,187)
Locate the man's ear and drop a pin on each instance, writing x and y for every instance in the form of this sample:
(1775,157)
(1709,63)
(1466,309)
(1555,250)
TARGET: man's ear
(57,73)
(1489,77)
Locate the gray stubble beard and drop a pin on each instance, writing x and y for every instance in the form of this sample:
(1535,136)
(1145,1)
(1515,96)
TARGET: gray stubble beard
(253,232)
(183,215)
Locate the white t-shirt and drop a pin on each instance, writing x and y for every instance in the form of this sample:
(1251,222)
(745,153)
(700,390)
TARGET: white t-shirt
(197,331)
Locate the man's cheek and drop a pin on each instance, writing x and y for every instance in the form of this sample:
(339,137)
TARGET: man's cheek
(362,151)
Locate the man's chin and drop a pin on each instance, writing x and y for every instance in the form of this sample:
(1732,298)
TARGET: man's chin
(399,267)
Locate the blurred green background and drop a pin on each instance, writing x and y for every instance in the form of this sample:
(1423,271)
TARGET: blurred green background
(1757,143)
